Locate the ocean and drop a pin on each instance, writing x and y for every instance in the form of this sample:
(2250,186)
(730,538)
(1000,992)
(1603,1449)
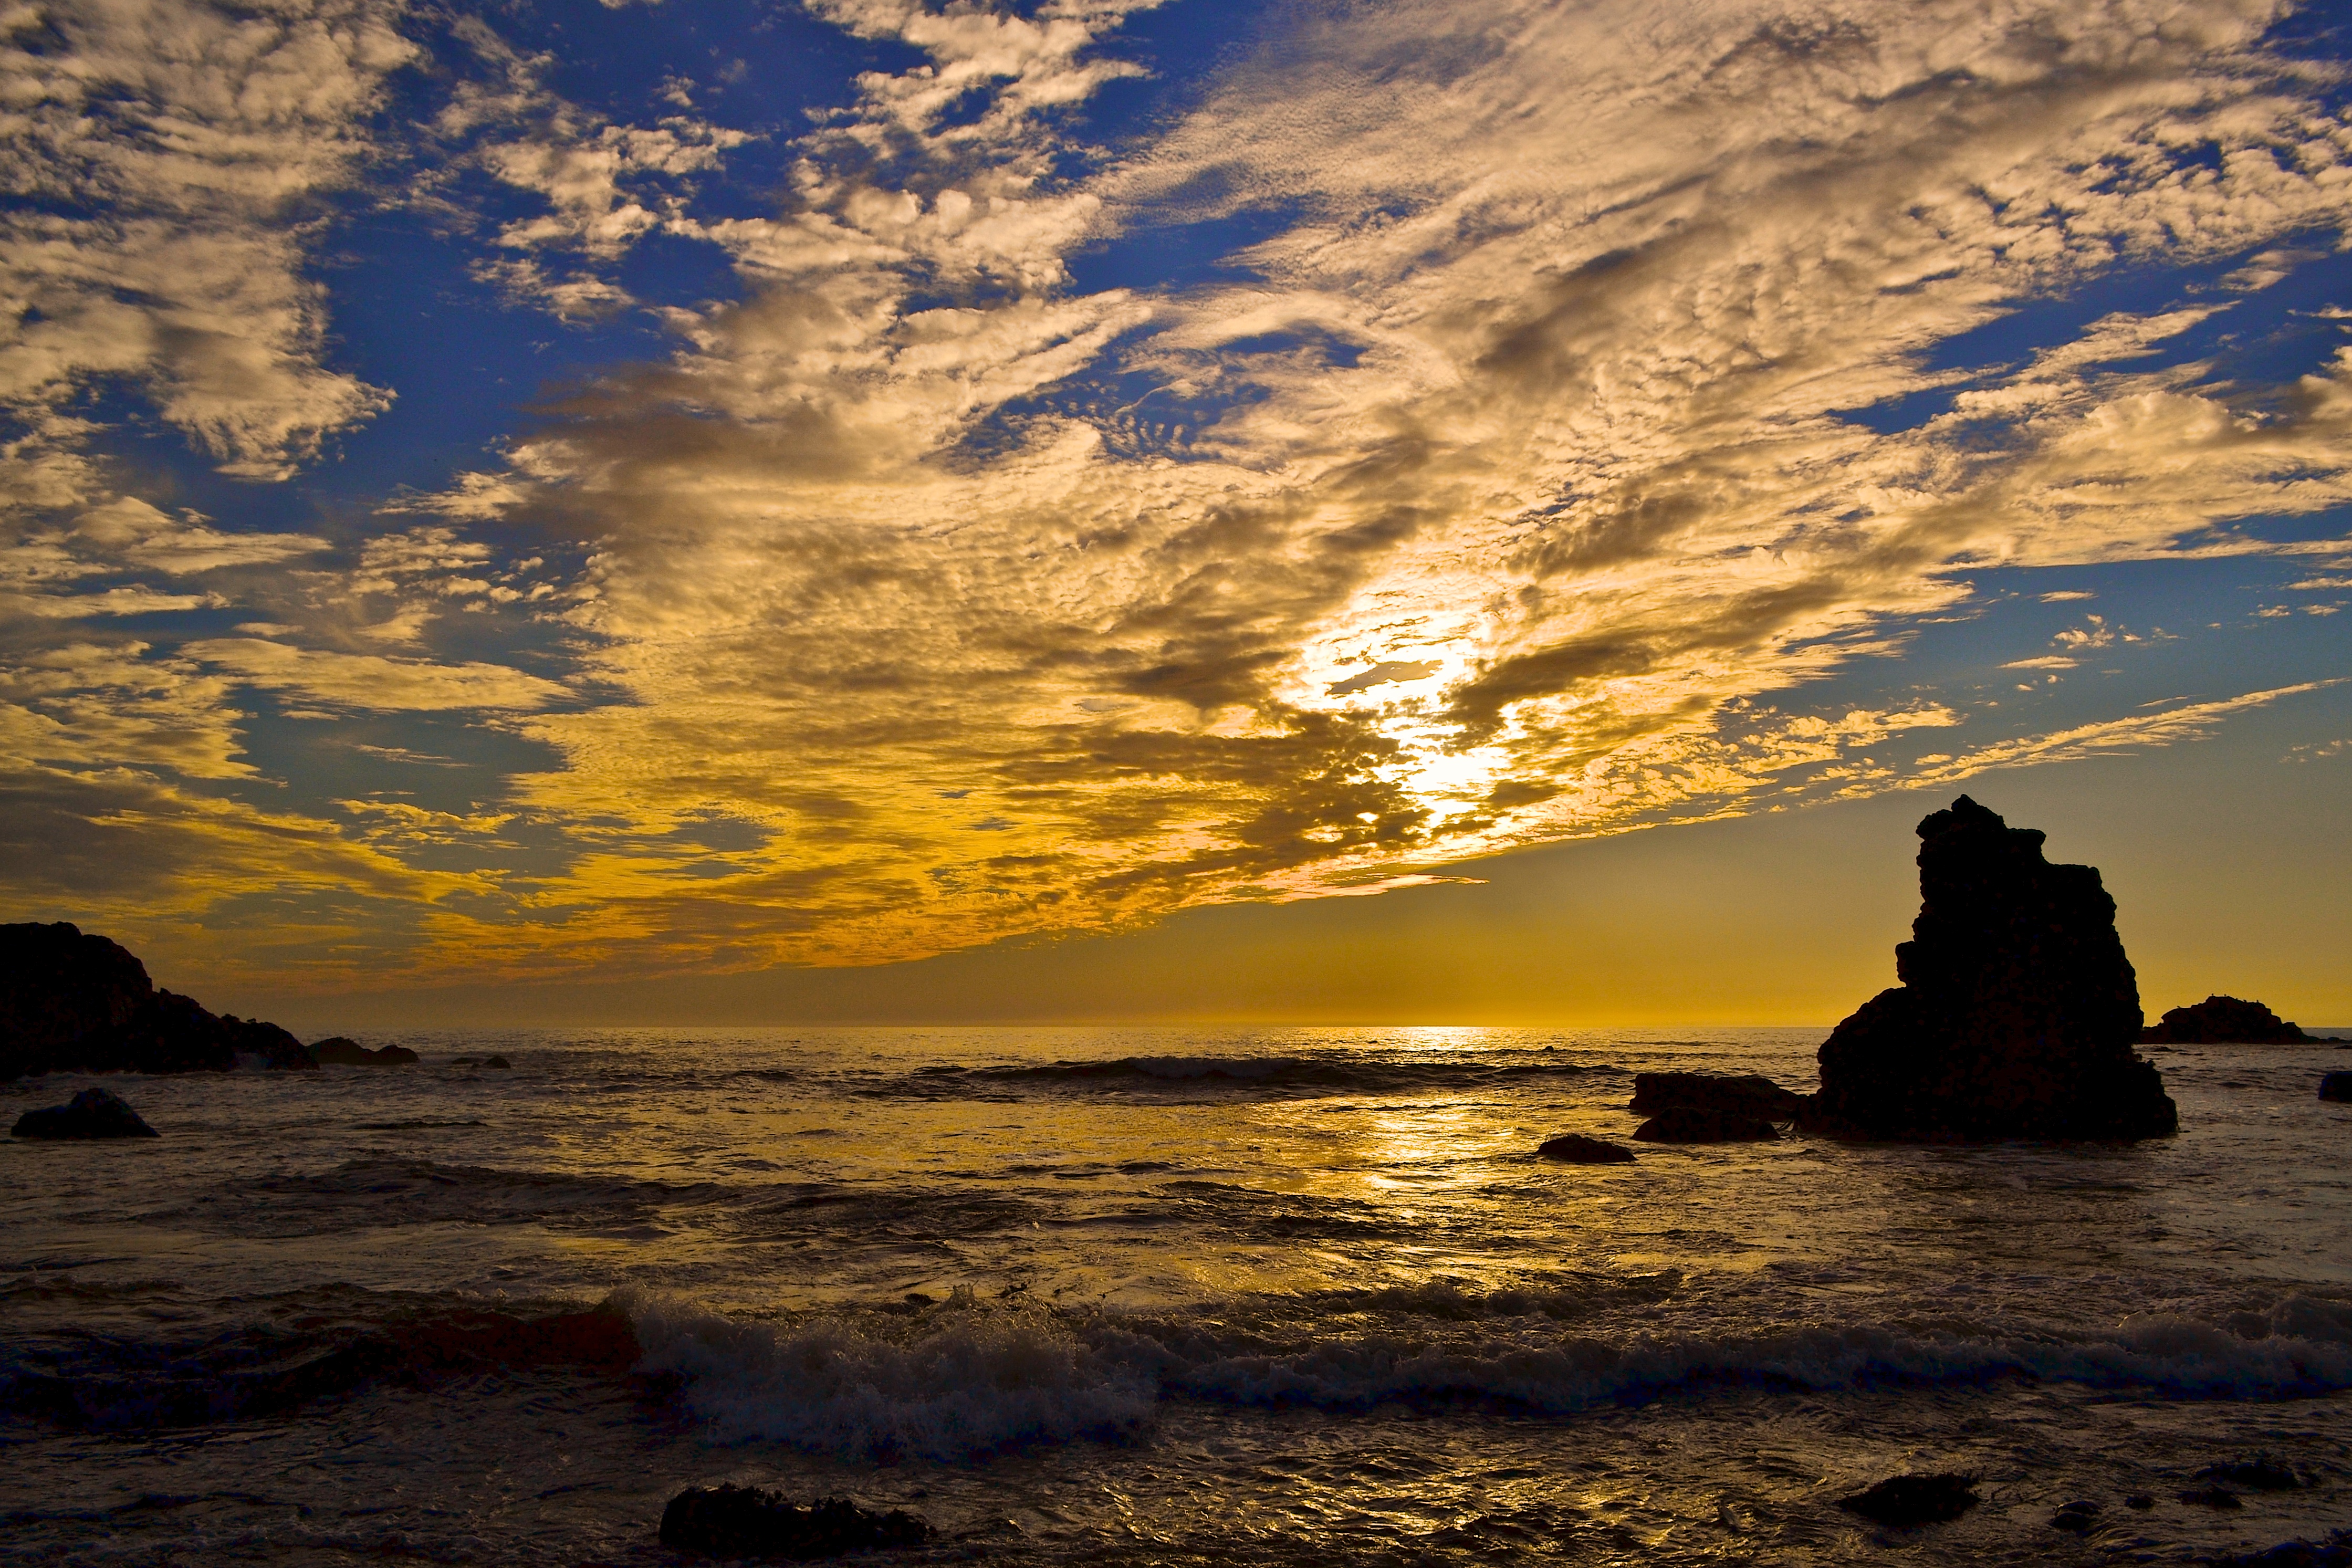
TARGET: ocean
(1153,1296)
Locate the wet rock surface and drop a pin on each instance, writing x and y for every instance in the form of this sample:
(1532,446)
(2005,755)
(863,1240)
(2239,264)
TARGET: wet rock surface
(1750,1094)
(2017,1011)
(2335,1086)
(73,1002)
(1907,1502)
(2223,1021)
(93,1113)
(338,1051)
(734,1521)
(1694,1124)
(1573,1149)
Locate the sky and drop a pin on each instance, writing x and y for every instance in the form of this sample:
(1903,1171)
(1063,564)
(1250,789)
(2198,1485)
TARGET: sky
(1475,511)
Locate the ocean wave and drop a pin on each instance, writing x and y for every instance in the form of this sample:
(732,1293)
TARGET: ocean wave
(1232,1074)
(951,1383)
(969,1377)
(113,1382)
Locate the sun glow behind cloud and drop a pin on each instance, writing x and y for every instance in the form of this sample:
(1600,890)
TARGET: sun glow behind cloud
(1518,465)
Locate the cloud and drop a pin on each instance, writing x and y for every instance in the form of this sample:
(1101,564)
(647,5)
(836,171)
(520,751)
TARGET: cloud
(372,682)
(159,155)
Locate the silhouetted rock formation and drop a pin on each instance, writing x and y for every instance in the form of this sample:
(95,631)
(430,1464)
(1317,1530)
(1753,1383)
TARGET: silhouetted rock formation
(2223,1020)
(2017,1012)
(1905,1502)
(339,1052)
(93,1113)
(1697,1124)
(1577,1151)
(2335,1086)
(744,1521)
(499,1063)
(1751,1095)
(76,1002)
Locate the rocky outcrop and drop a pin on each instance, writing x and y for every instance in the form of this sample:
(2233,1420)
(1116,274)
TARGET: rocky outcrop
(1751,1095)
(2223,1021)
(2335,1086)
(2017,1011)
(93,1113)
(1571,1149)
(338,1051)
(1698,1125)
(735,1521)
(70,1001)
(1907,1502)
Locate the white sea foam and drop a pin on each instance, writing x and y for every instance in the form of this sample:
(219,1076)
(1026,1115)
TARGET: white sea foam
(968,1378)
(954,1382)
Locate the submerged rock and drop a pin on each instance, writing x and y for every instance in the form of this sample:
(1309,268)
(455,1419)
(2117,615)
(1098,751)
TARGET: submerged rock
(2017,1011)
(2078,1515)
(497,1062)
(2335,1086)
(338,1052)
(93,1113)
(744,1521)
(1696,1124)
(1750,1094)
(1579,1150)
(2223,1020)
(1905,1502)
(70,1001)
(2262,1473)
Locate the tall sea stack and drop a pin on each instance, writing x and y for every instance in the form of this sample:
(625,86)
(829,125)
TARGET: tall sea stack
(2017,1012)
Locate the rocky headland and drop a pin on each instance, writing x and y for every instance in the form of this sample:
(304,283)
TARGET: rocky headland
(2017,1011)
(71,1001)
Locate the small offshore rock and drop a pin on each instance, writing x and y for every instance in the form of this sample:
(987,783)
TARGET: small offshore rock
(1905,1502)
(2139,1502)
(2213,1497)
(1577,1151)
(337,1051)
(93,1113)
(1750,1094)
(1692,1124)
(2335,1086)
(2223,1021)
(499,1062)
(743,1521)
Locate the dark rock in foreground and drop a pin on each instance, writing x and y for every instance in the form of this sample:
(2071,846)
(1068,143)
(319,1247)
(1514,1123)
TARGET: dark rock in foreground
(337,1051)
(2223,1021)
(71,1001)
(93,1113)
(743,1521)
(1577,1151)
(2079,1516)
(1694,1124)
(2335,1086)
(1751,1095)
(2262,1473)
(2017,1011)
(2335,1551)
(1905,1502)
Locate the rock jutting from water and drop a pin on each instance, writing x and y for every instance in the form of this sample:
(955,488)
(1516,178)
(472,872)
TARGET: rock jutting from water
(1702,1124)
(93,1113)
(1572,1149)
(338,1051)
(71,1001)
(2223,1021)
(734,1521)
(1907,1502)
(1751,1094)
(2335,1086)
(2017,1011)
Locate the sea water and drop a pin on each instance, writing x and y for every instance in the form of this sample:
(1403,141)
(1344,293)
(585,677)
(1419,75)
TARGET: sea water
(1153,1297)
